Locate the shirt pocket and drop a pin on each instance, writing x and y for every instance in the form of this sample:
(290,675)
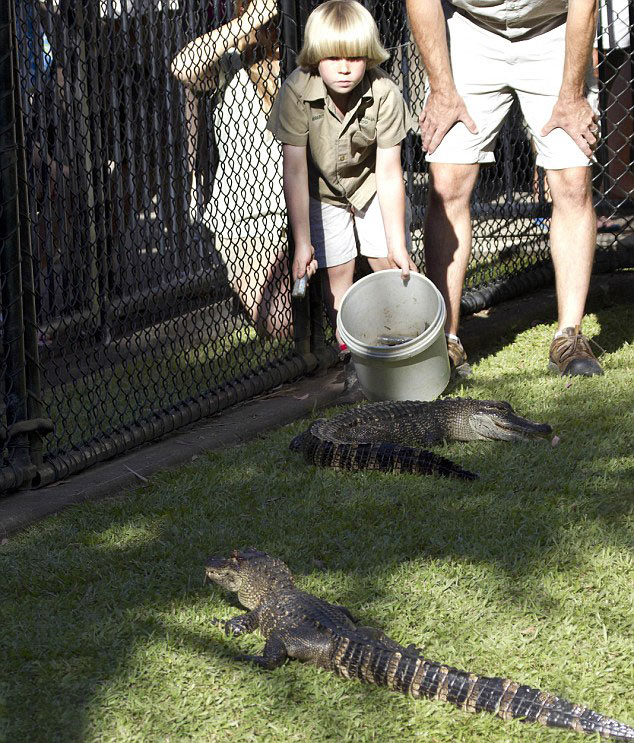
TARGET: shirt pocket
(365,136)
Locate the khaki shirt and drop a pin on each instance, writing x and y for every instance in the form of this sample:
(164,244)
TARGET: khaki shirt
(514,19)
(341,154)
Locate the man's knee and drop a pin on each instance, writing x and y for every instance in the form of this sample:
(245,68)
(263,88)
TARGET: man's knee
(452,183)
(570,187)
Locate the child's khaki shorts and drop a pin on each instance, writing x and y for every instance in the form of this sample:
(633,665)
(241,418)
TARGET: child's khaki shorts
(333,228)
(488,69)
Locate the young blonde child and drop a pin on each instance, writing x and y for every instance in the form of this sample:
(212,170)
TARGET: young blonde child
(341,121)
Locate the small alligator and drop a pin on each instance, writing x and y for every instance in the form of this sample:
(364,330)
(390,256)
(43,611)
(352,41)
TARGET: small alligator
(385,435)
(299,625)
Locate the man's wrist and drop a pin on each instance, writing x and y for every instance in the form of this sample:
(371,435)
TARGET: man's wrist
(447,90)
(571,94)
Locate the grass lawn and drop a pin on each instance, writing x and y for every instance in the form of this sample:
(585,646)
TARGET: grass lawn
(526,573)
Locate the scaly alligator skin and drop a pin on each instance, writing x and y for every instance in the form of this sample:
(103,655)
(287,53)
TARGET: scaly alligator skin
(386,435)
(299,625)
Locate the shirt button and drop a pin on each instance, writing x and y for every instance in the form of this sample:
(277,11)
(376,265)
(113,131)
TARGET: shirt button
(342,158)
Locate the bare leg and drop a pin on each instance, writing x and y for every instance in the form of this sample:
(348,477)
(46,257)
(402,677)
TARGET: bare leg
(337,281)
(573,241)
(448,232)
(265,295)
(379,264)
(273,314)
(191,123)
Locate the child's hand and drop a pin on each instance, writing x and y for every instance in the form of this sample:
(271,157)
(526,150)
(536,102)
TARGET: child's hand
(304,262)
(400,259)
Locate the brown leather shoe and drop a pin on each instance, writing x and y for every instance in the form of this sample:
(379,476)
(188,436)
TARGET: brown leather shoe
(571,355)
(457,358)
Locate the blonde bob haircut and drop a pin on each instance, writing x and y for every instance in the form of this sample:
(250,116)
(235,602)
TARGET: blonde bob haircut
(341,28)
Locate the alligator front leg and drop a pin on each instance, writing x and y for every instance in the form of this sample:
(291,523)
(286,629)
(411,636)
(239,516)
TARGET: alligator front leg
(274,654)
(243,624)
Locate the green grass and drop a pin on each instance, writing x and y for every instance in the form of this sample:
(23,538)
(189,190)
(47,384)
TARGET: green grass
(527,573)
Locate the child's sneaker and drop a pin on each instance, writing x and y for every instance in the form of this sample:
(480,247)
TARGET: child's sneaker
(344,354)
(352,391)
(571,355)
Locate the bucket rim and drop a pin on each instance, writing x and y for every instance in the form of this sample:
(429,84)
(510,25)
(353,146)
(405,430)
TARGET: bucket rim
(404,350)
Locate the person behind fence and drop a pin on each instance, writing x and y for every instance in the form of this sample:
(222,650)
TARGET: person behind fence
(478,56)
(239,64)
(341,121)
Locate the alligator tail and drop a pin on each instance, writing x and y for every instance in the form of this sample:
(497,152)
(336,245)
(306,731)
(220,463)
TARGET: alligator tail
(504,698)
(412,674)
(385,457)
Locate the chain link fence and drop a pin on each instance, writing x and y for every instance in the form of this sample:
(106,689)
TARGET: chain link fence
(143,234)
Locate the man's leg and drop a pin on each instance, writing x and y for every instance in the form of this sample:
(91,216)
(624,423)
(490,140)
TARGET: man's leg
(448,232)
(573,242)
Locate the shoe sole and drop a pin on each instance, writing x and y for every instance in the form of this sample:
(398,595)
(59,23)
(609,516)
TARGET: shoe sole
(554,369)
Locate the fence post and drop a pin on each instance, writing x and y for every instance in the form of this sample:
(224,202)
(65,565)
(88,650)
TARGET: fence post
(289,30)
(11,266)
(34,405)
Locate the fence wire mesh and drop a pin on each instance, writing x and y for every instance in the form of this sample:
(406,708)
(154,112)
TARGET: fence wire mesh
(144,247)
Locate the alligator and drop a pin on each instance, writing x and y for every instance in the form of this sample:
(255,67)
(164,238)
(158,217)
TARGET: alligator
(385,436)
(299,625)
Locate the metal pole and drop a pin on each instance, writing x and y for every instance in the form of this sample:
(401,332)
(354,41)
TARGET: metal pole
(289,36)
(301,307)
(34,406)
(15,386)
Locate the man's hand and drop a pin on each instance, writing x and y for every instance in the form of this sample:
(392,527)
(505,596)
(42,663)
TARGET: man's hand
(441,112)
(576,117)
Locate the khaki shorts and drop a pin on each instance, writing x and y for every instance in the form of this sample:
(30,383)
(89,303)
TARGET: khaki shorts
(488,69)
(333,228)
